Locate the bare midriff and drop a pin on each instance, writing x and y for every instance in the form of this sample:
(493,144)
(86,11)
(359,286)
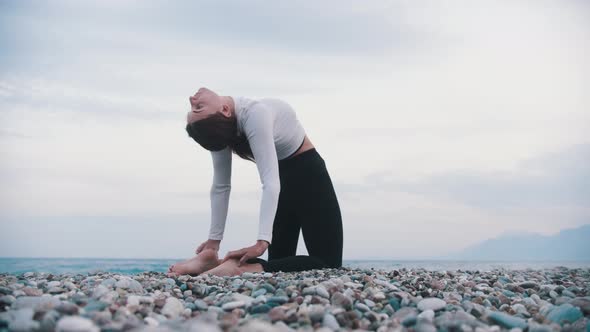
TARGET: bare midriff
(306,146)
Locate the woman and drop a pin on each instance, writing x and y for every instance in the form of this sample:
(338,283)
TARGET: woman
(297,192)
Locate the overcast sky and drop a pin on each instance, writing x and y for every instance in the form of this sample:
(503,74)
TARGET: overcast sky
(442,123)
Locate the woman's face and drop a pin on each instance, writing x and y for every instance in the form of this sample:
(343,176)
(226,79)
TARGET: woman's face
(203,104)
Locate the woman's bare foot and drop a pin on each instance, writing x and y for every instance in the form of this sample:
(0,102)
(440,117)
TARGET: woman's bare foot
(205,260)
(175,265)
(231,268)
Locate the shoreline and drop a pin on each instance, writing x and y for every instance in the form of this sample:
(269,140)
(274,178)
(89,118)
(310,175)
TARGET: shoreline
(132,266)
(551,299)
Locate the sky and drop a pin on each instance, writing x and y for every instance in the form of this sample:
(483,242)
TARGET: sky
(442,124)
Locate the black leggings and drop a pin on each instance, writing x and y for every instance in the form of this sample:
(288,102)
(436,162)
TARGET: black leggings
(308,202)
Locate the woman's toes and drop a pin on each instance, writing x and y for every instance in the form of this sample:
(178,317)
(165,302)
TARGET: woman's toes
(175,268)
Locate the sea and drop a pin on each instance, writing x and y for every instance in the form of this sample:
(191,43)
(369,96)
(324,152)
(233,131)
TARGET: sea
(134,266)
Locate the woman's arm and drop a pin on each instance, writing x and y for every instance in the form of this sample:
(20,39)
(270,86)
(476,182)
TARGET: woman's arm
(259,131)
(220,192)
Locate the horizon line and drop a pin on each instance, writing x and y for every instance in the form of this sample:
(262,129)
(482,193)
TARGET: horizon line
(354,259)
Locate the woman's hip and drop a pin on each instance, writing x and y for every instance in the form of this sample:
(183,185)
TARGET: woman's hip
(302,166)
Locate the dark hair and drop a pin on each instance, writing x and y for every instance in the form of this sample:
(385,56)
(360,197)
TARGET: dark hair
(216,132)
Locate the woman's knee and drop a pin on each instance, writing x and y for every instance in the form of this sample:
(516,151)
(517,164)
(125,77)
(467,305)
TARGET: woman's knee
(327,262)
(332,263)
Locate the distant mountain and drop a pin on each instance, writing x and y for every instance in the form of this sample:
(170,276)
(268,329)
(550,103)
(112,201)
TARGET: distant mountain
(568,244)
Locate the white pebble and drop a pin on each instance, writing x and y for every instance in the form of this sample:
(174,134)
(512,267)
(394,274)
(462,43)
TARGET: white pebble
(321,291)
(426,315)
(53,284)
(172,308)
(232,305)
(99,291)
(151,321)
(245,298)
(75,324)
(432,303)
(133,300)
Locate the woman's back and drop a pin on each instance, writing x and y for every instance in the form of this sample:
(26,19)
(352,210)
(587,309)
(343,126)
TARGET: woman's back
(288,133)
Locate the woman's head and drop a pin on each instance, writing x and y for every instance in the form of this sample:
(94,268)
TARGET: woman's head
(206,103)
(213,124)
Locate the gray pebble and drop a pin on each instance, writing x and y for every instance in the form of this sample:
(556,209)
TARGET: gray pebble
(330,321)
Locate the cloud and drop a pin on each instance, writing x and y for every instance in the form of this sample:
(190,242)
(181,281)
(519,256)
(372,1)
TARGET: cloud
(330,27)
(12,134)
(558,178)
(427,114)
(48,96)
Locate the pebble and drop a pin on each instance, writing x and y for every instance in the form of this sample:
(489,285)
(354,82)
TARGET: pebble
(29,291)
(262,308)
(520,309)
(506,320)
(322,300)
(259,292)
(583,303)
(276,313)
(201,305)
(528,284)
(99,291)
(362,307)
(95,306)
(150,321)
(37,303)
(321,291)
(75,324)
(22,320)
(52,284)
(172,308)
(330,322)
(7,300)
(67,308)
(56,290)
(233,305)
(427,315)
(133,300)
(565,313)
(49,320)
(426,327)
(432,303)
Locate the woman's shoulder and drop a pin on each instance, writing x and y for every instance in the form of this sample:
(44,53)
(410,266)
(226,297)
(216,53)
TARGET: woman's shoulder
(272,102)
(263,109)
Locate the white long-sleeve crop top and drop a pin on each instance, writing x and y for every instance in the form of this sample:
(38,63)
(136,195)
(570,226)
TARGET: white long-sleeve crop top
(274,133)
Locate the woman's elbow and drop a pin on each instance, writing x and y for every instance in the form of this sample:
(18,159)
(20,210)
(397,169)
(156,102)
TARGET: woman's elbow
(220,188)
(274,187)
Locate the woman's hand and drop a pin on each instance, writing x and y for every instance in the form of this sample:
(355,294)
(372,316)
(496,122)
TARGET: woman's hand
(209,244)
(246,253)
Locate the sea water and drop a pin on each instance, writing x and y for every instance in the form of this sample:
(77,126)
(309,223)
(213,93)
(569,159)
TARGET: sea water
(134,265)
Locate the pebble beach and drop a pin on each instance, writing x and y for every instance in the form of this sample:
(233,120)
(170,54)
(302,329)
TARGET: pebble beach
(344,299)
